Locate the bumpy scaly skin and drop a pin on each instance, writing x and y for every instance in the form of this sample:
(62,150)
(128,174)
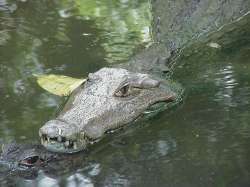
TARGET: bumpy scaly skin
(110,99)
(27,161)
(94,110)
(25,155)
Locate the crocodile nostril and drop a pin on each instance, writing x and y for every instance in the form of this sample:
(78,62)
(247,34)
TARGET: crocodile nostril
(52,129)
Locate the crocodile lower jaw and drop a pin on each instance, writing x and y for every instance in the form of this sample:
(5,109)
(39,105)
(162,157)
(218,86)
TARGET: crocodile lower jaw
(61,145)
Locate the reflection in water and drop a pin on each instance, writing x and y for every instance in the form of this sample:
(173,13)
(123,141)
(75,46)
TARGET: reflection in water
(217,112)
(115,179)
(78,180)
(59,37)
(46,181)
(165,147)
(153,150)
(38,41)
(226,83)
(123,25)
(92,170)
(205,142)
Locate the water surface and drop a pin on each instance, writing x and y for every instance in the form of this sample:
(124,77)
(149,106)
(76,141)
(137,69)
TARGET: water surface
(204,142)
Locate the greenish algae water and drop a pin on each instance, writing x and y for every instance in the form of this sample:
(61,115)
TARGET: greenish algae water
(204,142)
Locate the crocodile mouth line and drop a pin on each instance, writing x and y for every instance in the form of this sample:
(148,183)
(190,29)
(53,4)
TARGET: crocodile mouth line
(59,143)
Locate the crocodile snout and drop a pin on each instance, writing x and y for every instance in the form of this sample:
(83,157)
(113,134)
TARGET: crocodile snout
(52,128)
(60,136)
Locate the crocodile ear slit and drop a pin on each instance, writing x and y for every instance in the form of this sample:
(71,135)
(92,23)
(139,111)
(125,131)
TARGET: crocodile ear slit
(149,83)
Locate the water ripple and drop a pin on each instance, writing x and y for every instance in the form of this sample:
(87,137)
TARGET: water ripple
(226,82)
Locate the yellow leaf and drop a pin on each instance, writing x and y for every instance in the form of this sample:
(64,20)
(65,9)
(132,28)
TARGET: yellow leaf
(59,84)
(214,45)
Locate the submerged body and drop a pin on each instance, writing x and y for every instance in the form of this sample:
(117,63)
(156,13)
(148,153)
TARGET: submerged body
(114,97)
(27,160)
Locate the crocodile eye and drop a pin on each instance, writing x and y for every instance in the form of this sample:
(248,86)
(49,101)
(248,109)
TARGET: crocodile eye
(30,161)
(123,91)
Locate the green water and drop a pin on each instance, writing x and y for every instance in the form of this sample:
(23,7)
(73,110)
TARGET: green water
(204,142)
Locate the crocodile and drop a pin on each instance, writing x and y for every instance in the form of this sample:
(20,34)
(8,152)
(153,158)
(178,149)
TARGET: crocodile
(123,93)
(26,160)
(25,154)
(116,96)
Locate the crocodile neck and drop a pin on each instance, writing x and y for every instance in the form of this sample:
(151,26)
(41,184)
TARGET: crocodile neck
(178,24)
(153,60)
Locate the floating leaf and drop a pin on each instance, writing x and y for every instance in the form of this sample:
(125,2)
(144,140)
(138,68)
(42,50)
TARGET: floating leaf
(59,84)
(214,45)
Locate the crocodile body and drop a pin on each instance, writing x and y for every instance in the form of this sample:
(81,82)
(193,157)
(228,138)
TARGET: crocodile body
(114,97)
(26,160)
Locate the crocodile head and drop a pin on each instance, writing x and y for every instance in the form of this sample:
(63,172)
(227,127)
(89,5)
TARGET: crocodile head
(28,160)
(17,156)
(109,99)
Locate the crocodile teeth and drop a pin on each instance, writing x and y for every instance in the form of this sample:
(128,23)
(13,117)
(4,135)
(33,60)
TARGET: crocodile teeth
(75,146)
(59,138)
(45,143)
(48,139)
(41,140)
(59,131)
(66,143)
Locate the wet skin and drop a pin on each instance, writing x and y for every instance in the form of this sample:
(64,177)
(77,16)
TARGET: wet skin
(110,99)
